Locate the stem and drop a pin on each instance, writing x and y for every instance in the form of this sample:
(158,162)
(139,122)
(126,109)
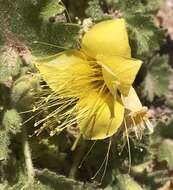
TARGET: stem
(27,156)
(77,158)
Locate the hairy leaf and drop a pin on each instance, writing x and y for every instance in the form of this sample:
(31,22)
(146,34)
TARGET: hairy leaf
(62,182)
(12,121)
(146,6)
(157,79)
(4,143)
(51,8)
(165,152)
(29,21)
(125,182)
(144,36)
(9,65)
(94,10)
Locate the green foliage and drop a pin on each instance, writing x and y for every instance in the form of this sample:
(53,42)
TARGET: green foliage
(23,90)
(157,79)
(4,143)
(23,184)
(130,6)
(165,152)
(62,182)
(50,34)
(153,6)
(94,10)
(125,182)
(12,121)
(51,9)
(9,64)
(144,35)
(30,22)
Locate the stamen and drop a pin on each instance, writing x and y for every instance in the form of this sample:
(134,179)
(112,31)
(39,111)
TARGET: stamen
(86,155)
(128,144)
(135,127)
(150,126)
(105,161)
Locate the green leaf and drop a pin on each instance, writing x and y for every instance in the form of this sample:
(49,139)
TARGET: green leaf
(62,182)
(10,64)
(94,10)
(125,182)
(52,8)
(144,36)
(165,152)
(18,18)
(4,143)
(23,91)
(12,121)
(157,79)
(55,37)
(154,5)
(29,22)
(127,5)
(3,186)
(23,183)
(133,6)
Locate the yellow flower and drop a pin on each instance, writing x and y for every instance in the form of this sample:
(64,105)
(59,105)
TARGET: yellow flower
(92,84)
(136,115)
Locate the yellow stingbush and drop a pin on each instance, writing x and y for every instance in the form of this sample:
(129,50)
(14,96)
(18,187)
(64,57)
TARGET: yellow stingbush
(93,85)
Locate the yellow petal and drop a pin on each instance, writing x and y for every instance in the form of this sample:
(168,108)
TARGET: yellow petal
(104,116)
(137,112)
(132,102)
(107,38)
(67,72)
(119,72)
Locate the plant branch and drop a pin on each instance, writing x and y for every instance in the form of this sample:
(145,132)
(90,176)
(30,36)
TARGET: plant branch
(27,156)
(77,158)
